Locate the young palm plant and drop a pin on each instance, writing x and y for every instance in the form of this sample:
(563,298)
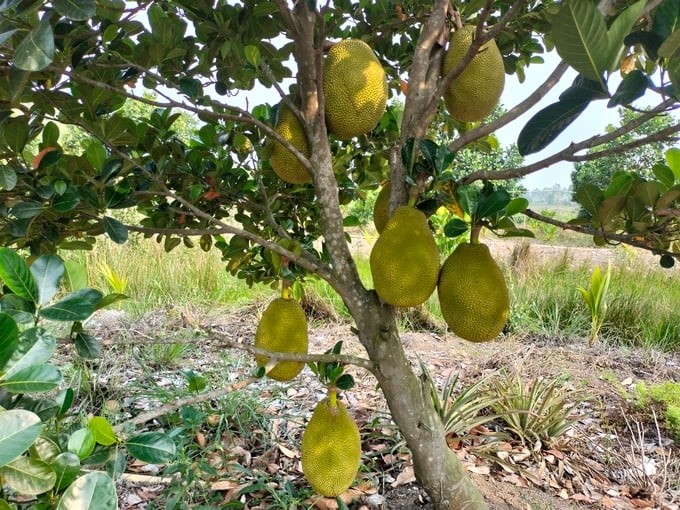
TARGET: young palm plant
(596,299)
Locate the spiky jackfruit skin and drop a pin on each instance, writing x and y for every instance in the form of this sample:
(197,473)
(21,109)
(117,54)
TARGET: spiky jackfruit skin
(331,449)
(381,208)
(282,328)
(405,260)
(472,293)
(355,89)
(283,162)
(475,92)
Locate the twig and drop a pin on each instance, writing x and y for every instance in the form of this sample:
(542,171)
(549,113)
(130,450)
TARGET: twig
(610,236)
(170,407)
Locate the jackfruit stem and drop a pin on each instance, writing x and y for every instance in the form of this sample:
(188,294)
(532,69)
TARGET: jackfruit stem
(333,397)
(285,289)
(474,234)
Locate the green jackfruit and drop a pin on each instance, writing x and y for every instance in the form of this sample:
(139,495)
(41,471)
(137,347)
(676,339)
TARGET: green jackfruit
(354,87)
(284,163)
(472,293)
(405,260)
(475,92)
(282,328)
(331,449)
(381,208)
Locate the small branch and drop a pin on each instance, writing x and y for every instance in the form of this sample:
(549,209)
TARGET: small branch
(512,114)
(345,359)
(171,407)
(609,236)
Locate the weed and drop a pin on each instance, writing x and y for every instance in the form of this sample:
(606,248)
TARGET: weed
(667,395)
(596,299)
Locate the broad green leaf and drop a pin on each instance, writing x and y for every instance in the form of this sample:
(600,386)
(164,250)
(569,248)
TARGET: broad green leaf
(666,19)
(580,36)
(617,32)
(590,197)
(9,338)
(27,209)
(455,227)
(4,505)
(67,468)
(8,178)
(619,185)
(548,124)
(633,86)
(81,442)
(671,45)
(15,273)
(253,56)
(47,272)
(495,202)
(647,192)
(44,449)
(116,463)
(77,306)
(102,430)
(610,208)
(64,399)
(36,51)
(93,491)
(32,379)
(50,134)
(110,299)
(88,347)
(36,346)
(76,275)
(151,447)
(672,157)
(15,132)
(18,430)
(516,206)
(664,174)
(78,10)
(96,155)
(116,231)
(28,476)
(67,200)
(668,198)
(467,198)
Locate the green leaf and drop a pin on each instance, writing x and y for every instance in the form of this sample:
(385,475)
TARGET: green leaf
(9,338)
(408,153)
(47,272)
(27,209)
(15,132)
(672,157)
(32,379)
(96,155)
(191,87)
(50,134)
(81,442)
(151,447)
(580,36)
(102,430)
(495,202)
(18,431)
(67,201)
(455,227)
(8,178)
(647,192)
(116,231)
(64,399)
(88,347)
(44,449)
(664,174)
(78,10)
(345,382)
(253,56)
(467,198)
(110,299)
(671,45)
(28,476)
(590,197)
(36,51)
(516,206)
(94,491)
(36,346)
(618,30)
(610,208)
(633,86)
(351,221)
(77,306)
(619,185)
(548,124)
(67,468)
(76,275)
(15,273)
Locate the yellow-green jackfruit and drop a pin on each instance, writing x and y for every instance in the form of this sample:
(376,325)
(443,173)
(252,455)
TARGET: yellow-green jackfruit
(286,165)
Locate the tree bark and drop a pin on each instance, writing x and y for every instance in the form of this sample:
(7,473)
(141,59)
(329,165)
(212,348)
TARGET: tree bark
(438,470)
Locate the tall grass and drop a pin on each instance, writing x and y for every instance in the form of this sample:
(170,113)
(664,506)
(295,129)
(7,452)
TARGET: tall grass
(644,301)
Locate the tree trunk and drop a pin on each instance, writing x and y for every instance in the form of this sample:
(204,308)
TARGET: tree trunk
(437,468)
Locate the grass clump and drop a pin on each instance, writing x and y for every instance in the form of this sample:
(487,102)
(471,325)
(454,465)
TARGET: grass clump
(667,396)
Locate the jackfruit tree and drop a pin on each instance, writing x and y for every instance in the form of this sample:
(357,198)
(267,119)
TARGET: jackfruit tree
(295,102)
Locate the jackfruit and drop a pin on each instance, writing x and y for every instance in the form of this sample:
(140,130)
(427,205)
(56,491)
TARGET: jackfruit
(283,162)
(405,260)
(475,92)
(472,293)
(282,328)
(381,208)
(355,89)
(331,449)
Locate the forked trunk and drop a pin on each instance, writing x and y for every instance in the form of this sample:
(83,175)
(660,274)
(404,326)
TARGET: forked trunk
(437,468)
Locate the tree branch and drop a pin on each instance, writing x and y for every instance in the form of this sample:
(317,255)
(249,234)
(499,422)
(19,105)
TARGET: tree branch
(631,240)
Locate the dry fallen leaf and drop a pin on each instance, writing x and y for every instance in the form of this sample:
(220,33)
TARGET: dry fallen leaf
(406,476)
(480,470)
